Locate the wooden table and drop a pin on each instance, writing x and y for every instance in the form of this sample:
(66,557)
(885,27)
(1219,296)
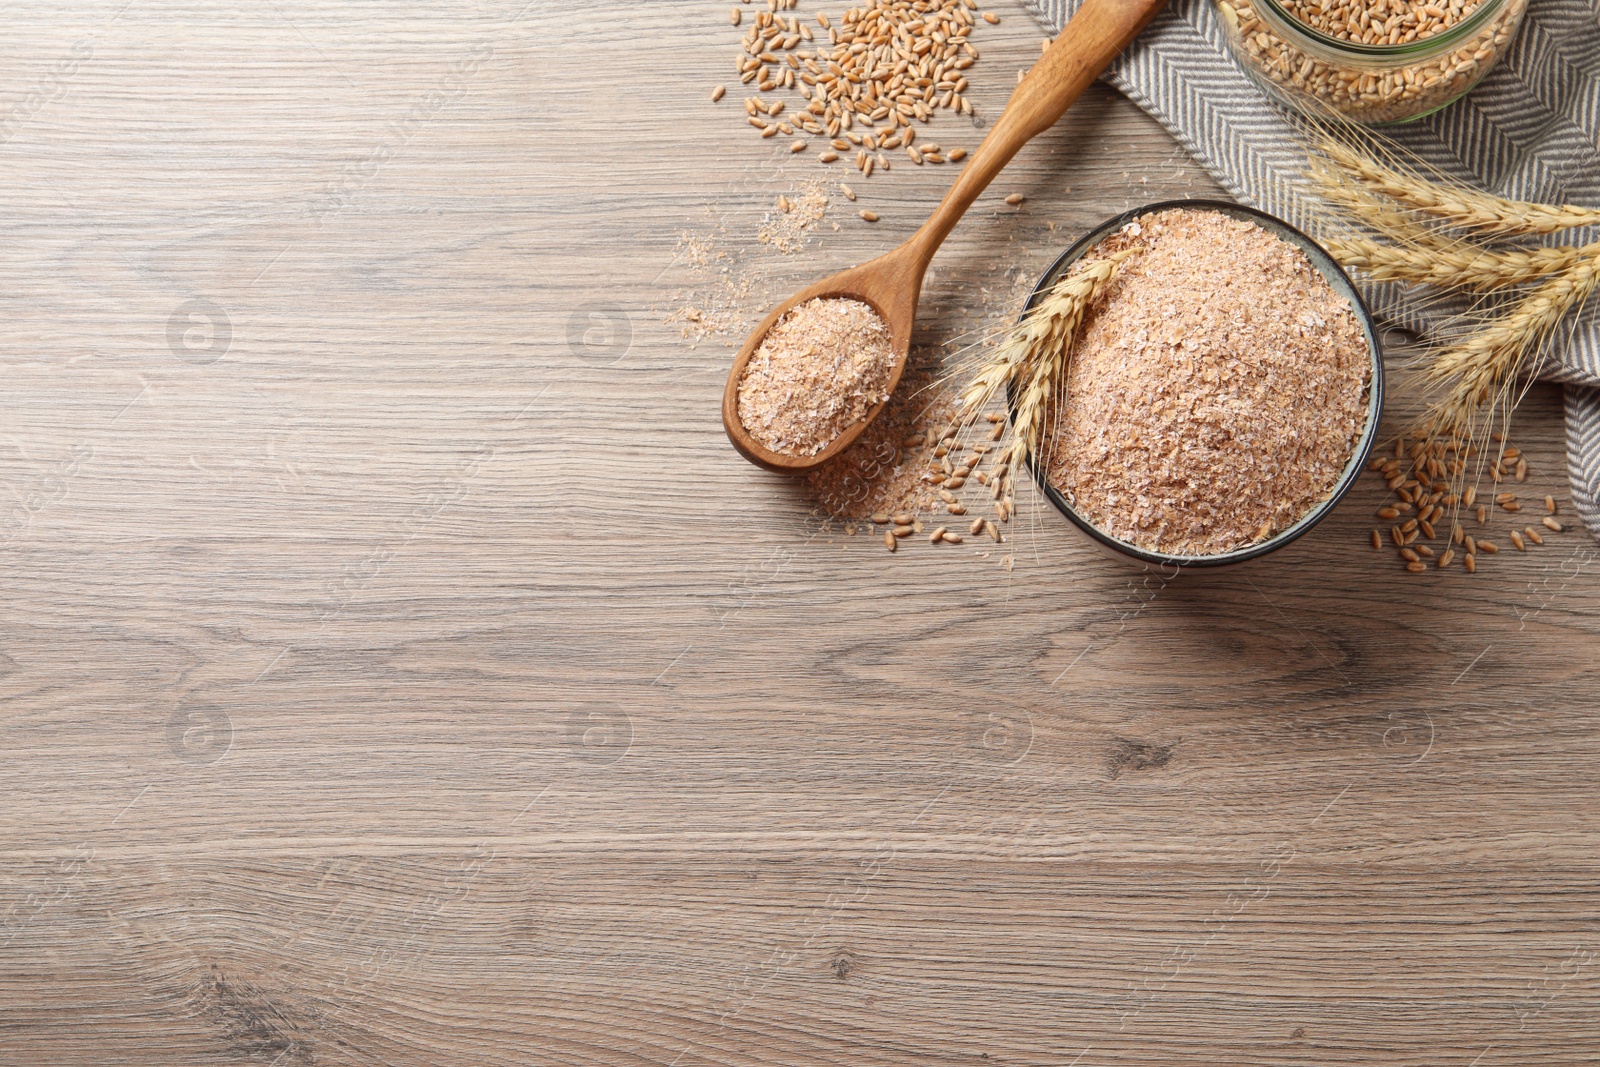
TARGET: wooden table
(400,668)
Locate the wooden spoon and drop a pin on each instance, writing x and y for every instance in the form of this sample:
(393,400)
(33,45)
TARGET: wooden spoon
(891,284)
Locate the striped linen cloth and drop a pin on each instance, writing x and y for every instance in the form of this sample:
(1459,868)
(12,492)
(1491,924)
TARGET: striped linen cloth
(1530,130)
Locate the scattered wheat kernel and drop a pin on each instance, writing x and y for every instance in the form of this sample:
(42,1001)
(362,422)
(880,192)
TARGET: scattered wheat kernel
(733,15)
(1522,470)
(1551,524)
(880,518)
(1445,557)
(1377,539)
(1469,544)
(1388,513)
(1396,536)
(1470,562)
(1470,497)
(904,531)
(991,18)
(956,155)
(1488,547)
(870,216)
(1513,506)
(953,538)
(1413,535)
(1533,535)
(718,93)
(939,533)
(1426,529)
(1550,504)
(1409,554)
(993,531)
(1015,198)
(902,519)
(849,193)
(956,509)
(1457,533)
(828,157)
(1408,526)
(889,541)
(1416,567)
(976,528)
(1517,543)
(1483,514)
(797,146)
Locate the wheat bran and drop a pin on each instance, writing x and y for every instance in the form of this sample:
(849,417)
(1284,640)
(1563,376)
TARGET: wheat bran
(817,372)
(795,217)
(885,469)
(1215,392)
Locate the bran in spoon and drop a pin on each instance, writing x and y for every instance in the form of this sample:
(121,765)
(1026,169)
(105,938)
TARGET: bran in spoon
(817,372)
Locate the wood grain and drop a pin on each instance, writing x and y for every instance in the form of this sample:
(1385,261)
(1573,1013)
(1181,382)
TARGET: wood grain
(398,666)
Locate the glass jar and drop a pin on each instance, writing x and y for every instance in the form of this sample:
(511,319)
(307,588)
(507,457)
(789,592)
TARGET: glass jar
(1373,84)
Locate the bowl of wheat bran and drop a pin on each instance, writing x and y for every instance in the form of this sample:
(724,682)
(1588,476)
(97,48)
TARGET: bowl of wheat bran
(1221,394)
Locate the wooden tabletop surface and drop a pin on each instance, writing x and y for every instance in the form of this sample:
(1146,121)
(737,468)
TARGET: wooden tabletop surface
(399,667)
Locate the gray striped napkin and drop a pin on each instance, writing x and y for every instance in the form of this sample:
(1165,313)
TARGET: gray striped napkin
(1530,130)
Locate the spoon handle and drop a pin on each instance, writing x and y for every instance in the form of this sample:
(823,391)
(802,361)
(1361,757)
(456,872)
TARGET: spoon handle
(1092,38)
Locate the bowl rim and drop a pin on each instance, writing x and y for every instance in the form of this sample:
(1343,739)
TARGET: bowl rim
(1341,283)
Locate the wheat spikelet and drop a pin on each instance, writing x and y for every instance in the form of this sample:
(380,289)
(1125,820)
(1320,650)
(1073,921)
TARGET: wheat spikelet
(1448,267)
(1047,327)
(1045,360)
(1455,204)
(1483,367)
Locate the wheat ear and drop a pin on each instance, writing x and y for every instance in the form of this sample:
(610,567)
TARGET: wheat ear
(1456,204)
(1447,267)
(1046,358)
(1049,325)
(1483,366)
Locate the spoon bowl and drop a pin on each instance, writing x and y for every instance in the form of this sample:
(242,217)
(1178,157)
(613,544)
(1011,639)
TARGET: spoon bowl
(883,285)
(892,283)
